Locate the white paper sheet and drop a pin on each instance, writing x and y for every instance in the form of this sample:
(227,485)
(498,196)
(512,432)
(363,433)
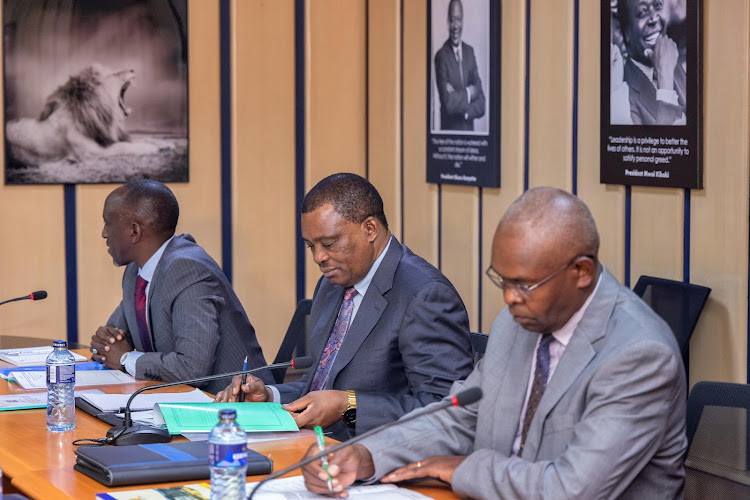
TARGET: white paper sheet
(38,380)
(145,401)
(30,356)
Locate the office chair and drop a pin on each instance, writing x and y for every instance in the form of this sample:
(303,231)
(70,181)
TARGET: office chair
(678,303)
(479,343)
(717,464)
(295,339)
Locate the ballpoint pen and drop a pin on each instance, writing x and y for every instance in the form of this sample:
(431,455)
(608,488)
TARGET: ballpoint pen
(241,395)
(323,460)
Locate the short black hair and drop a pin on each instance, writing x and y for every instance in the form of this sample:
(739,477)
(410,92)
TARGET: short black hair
(352,197)
(623,16)
(151,203)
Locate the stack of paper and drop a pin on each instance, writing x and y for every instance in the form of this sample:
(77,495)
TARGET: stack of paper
(29,356)
(145,401)
(38,380)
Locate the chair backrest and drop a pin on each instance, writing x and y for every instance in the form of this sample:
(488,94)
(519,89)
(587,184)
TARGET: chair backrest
(717,463)
(295,339)
(479,343)
(678,303)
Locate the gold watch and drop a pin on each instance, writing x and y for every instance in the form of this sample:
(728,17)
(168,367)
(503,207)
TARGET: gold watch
(349,417)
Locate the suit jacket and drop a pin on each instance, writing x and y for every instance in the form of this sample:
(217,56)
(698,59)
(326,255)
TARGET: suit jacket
(455,106)
(645,109)
(198,325)
(611,422)
(407,344)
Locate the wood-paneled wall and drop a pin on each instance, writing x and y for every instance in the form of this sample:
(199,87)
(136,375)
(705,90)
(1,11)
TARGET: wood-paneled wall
(364,111)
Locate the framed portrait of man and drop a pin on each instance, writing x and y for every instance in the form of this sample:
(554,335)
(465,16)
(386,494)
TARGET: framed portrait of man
(651,93)
(463,105)
(95,91)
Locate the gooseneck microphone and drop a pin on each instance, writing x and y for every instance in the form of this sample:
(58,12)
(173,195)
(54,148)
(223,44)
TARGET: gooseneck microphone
(127,433)
(463,398)
(38,295)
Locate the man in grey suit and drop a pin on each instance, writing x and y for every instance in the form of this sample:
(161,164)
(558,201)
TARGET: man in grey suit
(179,318)
(408,338)
(584,388)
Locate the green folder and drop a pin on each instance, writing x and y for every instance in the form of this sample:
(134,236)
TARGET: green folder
(202,417)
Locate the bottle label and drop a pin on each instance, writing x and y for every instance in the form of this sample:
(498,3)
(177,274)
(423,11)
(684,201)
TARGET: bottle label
(227,455)
(62,374)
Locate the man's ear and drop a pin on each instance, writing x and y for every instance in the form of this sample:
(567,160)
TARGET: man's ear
(371,227)
(586,268)
(136,232)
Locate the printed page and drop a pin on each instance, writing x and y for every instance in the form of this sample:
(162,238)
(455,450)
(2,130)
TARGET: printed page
(38,380)
(146,401)
(30,356)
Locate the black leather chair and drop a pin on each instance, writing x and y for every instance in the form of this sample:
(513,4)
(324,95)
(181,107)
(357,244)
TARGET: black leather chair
(479,343)
(717,464)
(678,303)
(295,339)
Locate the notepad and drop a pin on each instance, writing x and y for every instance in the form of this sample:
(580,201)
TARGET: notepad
(202,417)
(29,356)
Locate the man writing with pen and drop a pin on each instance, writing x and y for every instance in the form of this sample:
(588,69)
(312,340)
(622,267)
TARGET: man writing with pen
(389,333)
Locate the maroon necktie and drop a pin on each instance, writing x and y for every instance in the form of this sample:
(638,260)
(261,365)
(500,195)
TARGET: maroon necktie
(334,341)
(140,313)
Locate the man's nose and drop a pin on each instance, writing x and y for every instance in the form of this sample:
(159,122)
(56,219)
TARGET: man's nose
(511,295)
(319,256)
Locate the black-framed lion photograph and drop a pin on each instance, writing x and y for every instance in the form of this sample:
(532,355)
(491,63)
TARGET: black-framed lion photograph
(651,93)
(463,92)
(95,91)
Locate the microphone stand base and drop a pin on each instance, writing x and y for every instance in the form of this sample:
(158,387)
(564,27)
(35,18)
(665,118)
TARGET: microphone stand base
(137,434)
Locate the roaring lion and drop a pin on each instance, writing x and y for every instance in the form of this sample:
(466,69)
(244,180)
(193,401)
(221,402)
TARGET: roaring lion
(82,120)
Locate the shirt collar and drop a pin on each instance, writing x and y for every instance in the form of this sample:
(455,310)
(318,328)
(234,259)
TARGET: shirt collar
(364,283)
(564,334)
(147,271)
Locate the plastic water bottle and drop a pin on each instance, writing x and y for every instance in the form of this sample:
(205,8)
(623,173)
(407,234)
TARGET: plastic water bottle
(61,381)
(227,456)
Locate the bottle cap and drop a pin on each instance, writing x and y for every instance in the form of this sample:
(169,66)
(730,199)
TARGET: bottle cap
(59,343)
(227,414)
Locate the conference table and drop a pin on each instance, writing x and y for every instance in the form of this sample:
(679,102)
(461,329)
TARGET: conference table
(39,464)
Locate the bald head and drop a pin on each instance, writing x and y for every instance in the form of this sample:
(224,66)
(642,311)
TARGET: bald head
(554,217)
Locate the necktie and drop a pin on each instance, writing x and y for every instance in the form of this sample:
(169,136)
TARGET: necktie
(460,67)
(541,373)
(334,341)
(140,313)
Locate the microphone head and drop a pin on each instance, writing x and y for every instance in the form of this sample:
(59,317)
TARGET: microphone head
(38,295)
(302,362)
(467,396)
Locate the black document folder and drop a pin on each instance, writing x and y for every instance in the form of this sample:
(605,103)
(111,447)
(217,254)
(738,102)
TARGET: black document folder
(155,463)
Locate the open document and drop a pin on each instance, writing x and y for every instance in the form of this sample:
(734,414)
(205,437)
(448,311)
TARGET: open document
(38,380)
(29,356)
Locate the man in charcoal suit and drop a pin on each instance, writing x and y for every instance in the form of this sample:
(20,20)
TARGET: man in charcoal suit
(179,318)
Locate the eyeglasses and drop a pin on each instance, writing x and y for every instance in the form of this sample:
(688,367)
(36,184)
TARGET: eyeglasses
(525,290)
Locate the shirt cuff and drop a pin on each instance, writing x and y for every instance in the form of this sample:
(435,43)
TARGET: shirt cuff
(130,361)
(666,95)
(276,394)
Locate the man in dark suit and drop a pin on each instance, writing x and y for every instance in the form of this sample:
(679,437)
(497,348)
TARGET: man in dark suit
(457,77)
(656,80)
(388,330)
(179,317)
(583,384)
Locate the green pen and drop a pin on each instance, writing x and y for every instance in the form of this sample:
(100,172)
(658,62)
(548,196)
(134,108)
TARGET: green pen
(322,447)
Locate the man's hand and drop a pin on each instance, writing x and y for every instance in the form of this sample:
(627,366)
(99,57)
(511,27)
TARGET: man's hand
(449,88)
(108,345)
(616,67)
(254,389)
(472,92)
(345,466)
(439,467)
(665,61)
(322,408)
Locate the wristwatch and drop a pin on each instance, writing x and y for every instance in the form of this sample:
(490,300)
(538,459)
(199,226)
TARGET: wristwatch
(122,361)
(349,417)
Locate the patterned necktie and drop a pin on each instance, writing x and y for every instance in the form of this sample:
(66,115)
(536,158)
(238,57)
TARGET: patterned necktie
(335,340)
(541,373)
(140,313)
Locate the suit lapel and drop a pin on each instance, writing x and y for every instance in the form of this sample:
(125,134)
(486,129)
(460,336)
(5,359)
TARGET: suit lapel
(128,305)
(577,355)
(638,82)
(369,312)
(321,330)
(509,401)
